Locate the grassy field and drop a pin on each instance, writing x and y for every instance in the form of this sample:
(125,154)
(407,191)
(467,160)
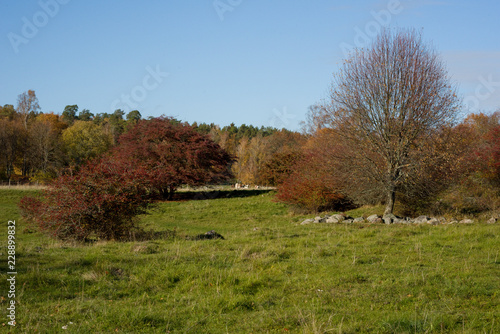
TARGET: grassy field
(269,275)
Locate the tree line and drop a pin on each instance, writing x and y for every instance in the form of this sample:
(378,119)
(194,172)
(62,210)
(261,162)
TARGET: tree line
(40,146)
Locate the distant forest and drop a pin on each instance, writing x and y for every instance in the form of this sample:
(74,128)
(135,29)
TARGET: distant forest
(38,147)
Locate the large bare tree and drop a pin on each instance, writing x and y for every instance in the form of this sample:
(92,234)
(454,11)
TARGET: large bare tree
(387,102)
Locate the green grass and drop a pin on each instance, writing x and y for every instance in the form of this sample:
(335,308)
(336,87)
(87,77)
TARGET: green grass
(269,275)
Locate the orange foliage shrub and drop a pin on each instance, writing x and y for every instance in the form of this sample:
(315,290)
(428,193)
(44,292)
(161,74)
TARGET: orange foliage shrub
(312,183)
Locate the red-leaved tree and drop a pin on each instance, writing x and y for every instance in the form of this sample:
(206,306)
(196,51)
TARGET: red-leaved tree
(173,154)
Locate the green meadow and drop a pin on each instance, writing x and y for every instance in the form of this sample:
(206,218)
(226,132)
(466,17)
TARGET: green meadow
(269,274)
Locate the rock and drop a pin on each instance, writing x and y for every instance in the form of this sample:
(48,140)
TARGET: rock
(307,221)
(400,221)
(389,218)
(332,220)
(492,220)
(421,219)
(433,221)
(339,217)
(209,235)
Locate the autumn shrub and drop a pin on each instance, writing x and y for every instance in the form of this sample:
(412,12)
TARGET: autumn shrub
(487,156)
(478,188)
(312,188)
(311,195)
(443,162)
(466,180)
(310,179)
(472,196)
(279,167)
(101,200)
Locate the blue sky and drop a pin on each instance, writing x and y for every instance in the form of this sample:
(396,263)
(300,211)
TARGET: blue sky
(259,62)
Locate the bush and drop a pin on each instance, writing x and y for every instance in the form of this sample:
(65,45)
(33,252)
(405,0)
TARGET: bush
(472,196)
(101,200)
(279,167)
(173,154)
(310,179)
(466,181)
(311,187)
(310,195)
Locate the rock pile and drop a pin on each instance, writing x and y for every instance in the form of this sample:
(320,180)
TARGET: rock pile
(388,219)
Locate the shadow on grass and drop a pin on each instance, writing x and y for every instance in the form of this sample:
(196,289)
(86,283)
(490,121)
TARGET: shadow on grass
(215,194)
(137,234)
(143,235)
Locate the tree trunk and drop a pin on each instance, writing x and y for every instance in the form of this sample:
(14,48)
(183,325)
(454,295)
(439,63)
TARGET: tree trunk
(391,198)
(24,170)
(164,193)
(171,191)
